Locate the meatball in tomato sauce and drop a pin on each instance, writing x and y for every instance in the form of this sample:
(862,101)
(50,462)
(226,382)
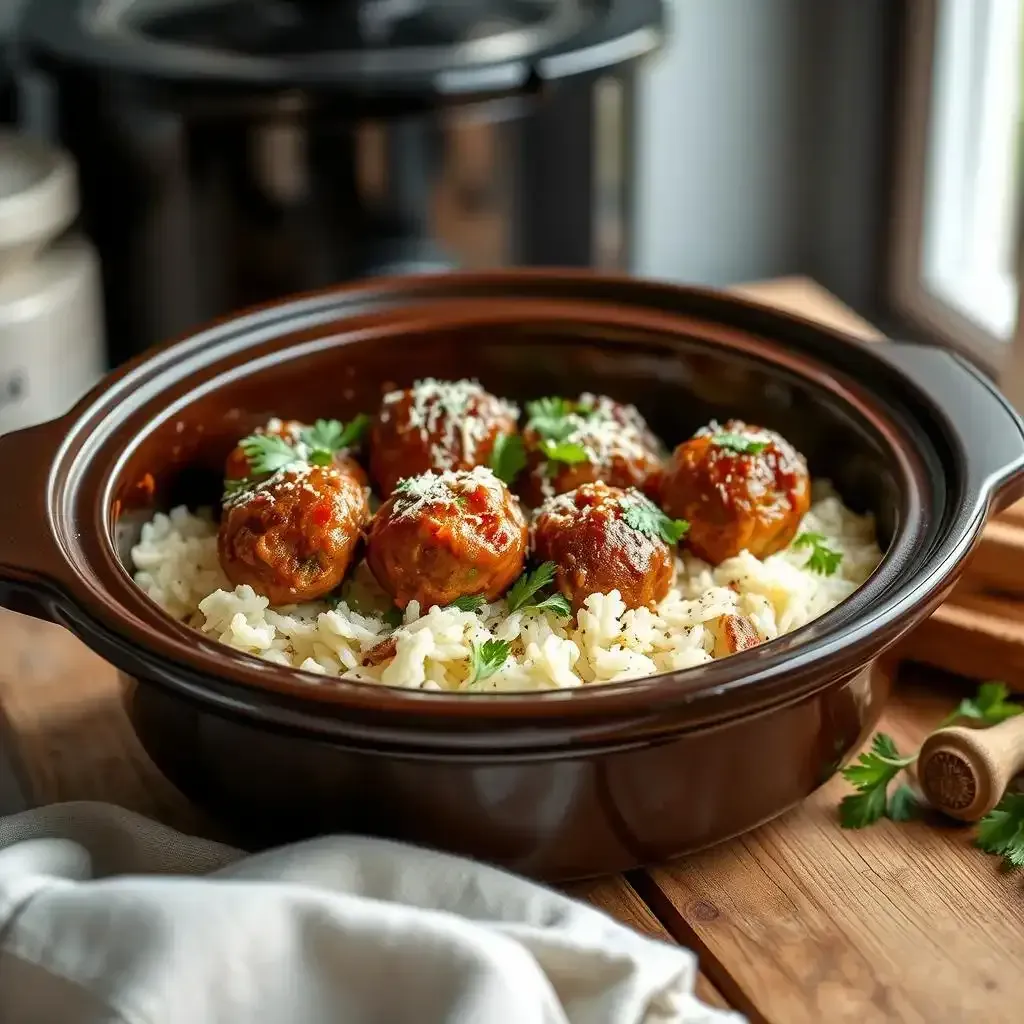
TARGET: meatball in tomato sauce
(293,535)
(740,487)
(573,442)
(605,538)
(443,536)
(436,426)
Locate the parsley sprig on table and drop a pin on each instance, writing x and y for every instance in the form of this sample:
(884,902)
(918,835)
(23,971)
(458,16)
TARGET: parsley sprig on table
(988,707)
(1000,832)
(526,592)
(823,559)
(871,775)
(640,513)
(739,444)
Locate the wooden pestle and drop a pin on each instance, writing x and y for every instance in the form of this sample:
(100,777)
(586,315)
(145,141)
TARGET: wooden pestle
(964,772)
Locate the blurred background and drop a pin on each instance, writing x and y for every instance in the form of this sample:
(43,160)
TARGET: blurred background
(231,151)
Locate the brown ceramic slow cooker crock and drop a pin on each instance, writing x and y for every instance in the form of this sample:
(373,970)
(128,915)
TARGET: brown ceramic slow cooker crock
(560,784)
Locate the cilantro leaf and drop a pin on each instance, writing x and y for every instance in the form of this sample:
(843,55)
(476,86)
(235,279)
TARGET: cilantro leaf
(394,617)
(645,517)
(529,584)
(823,559)
(903,804)
(739,444)
(858,810)
(558,604)
(550,418)
(487,658)
(508,457)
(871,776)
(355,430)
(1001,831)
(267,453)
(469,602)
(326,437)
(526,592)
(565,451)
(988,707)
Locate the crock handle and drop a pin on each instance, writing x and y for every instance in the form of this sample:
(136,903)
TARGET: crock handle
(987,425)
(30,557)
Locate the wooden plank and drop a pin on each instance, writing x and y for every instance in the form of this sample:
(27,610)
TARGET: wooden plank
(615,896)
(806,298)
(67,731)
(977,635)
(811,923)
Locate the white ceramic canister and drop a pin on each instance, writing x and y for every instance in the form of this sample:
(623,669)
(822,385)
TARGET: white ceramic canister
(51,322)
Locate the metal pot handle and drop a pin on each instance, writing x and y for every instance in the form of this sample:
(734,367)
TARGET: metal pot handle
(980,417)
(31,561)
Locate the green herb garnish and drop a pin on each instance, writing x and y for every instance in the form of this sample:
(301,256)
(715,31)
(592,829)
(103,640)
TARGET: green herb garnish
(526,592)
(645,517)
(327,437)
(529,584)
(550,417)
(267,453)
(508,457)
(871,776)
(1001,831)
(565,451)
(988,707)
(394,617)
(558,604)
(739,444)
(823,560)
(487,658)
(469,602)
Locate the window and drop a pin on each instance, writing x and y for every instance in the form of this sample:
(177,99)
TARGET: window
(954,230)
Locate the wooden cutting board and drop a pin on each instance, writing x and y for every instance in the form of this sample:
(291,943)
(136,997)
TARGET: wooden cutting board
(798,922)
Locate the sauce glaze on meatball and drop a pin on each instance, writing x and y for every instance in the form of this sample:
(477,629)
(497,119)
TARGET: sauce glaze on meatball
(586,534)
(293,535)
(436,426)
(443,536)
(606,440)
(740,487)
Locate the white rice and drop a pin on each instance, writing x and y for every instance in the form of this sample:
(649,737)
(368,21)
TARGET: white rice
(176,565)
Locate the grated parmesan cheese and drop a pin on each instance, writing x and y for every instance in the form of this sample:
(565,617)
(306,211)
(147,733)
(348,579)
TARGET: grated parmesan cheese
(457,415)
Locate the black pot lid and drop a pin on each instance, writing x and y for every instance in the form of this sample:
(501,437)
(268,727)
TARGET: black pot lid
(369,47)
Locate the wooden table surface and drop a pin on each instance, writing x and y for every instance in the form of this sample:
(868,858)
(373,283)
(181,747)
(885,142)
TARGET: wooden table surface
(798,922)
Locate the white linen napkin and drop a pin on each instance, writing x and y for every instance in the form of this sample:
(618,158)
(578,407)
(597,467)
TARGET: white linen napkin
(108,918)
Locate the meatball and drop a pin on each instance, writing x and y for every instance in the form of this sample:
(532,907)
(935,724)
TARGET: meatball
(436,426)
(590,535)
(443,536)
(238,467)
(293,536)
(572,443)
(740,487)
